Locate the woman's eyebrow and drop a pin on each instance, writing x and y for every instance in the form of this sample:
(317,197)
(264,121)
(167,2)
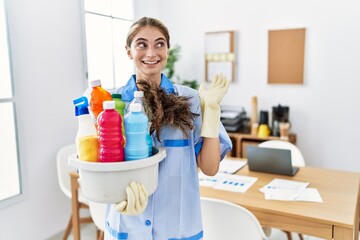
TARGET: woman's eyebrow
(144,39)
(141,39)
(160,39)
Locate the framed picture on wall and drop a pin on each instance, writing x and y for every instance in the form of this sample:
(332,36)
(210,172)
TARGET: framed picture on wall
(220,54)
(286,56)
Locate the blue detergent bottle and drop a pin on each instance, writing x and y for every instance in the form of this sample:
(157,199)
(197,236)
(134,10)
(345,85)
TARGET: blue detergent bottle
(138,98)
(136,130)
(149,141)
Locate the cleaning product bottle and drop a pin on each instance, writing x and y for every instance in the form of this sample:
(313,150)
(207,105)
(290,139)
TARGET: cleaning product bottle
(149,141)
(98,96)
(120,108)
(138,95)
(136,128)
(110,135)
(138,98)
(86,130)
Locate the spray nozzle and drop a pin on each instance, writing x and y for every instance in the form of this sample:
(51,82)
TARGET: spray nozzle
(81,106)
(81,102)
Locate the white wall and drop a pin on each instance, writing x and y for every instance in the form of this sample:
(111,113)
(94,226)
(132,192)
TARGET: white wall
(47,61)
(325,110)
(147,8)
(48,72)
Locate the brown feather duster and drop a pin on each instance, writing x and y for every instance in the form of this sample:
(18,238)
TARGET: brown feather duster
(163,108)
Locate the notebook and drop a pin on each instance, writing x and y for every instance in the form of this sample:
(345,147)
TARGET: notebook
(270,160)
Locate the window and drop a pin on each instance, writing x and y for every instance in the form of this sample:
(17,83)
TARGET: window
(106,25)
(9,160)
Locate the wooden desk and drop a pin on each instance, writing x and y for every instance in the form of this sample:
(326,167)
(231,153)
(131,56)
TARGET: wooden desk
(241,140)
(336,218)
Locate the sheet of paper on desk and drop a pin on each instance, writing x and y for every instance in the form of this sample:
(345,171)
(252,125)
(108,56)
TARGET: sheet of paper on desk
(231,166)
(309,195)
(207,181)
(229,182)
(282,189)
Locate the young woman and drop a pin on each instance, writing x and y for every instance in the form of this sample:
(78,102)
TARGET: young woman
(173,210)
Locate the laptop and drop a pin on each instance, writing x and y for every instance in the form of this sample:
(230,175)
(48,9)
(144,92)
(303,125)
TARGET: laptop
(270,160)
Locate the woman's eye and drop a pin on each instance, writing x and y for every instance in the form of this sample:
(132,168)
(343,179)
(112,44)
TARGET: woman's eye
(160,44)
(141,45)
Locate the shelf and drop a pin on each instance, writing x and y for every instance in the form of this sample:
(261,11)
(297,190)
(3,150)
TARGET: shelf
(241,140)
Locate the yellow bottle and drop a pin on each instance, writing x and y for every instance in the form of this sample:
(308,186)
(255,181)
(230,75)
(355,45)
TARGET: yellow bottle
(263,131)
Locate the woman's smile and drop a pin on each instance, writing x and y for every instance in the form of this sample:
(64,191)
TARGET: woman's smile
(150,62)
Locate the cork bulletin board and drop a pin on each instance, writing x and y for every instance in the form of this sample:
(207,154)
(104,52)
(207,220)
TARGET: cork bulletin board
(220,54)
(286,56)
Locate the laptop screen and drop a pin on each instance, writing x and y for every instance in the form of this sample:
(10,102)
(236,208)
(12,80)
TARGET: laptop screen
(270,160)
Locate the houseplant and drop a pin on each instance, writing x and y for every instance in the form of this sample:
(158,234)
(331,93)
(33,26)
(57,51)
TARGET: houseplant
(169,70)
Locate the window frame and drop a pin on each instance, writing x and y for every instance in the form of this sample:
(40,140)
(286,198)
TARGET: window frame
(4,202)
(115,82)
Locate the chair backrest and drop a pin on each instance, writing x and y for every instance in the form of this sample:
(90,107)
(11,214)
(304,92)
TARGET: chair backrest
(297,158)
(225,220)
(98,212)
(63,170)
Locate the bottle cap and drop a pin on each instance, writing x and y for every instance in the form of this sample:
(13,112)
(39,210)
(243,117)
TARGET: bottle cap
(109,104)
(138,93)
(135,107)
(116,95)
(81,111)
(95,83)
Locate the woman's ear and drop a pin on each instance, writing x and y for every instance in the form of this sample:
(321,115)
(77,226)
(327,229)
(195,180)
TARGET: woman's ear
(128,51)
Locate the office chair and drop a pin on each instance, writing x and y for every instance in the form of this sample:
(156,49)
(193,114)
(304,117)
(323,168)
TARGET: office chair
(297,159)
(225,220)
(66,182)
(98,212)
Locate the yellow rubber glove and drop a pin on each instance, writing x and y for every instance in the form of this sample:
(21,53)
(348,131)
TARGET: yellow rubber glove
(210,100)
(137,199)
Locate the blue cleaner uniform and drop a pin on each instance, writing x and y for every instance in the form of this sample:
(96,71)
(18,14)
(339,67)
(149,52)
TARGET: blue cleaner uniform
(173,211)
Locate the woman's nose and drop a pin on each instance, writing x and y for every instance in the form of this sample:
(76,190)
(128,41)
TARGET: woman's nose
(150,52)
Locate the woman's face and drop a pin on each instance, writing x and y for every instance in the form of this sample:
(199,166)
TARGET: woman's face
(149,52)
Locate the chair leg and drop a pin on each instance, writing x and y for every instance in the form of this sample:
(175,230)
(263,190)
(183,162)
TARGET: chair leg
(288,234)
(301,236)
(68,229)
(75,206)
(267,231)
(76,227)
(99,234)
(101,237)
(76,219)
